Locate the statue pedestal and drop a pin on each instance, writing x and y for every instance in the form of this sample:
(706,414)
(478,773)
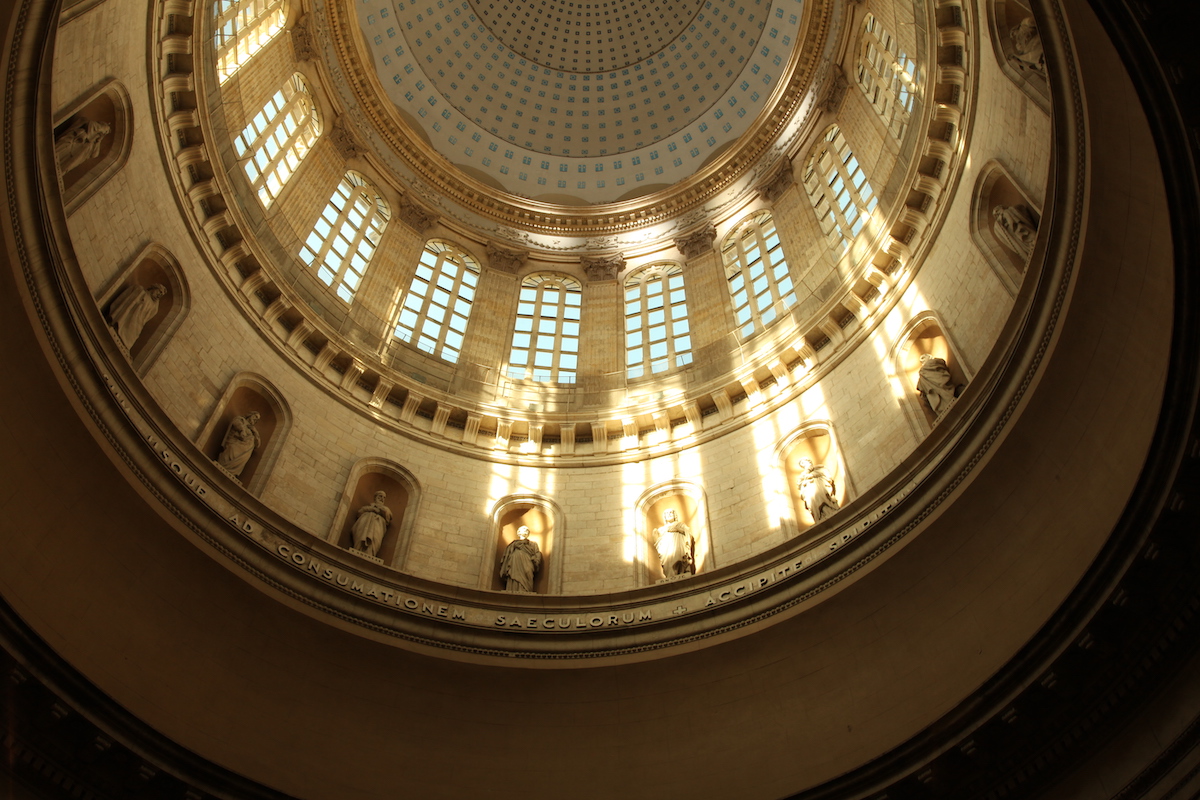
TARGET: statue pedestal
(364,556)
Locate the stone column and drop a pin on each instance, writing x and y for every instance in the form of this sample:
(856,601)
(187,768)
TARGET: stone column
(490,329)
(709,309)
(602,329)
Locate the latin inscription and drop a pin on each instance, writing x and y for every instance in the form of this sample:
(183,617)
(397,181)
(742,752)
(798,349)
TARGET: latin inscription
(574,622)
(375,592)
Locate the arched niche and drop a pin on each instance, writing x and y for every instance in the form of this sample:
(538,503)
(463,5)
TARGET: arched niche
(925,335)
(245,394)
(814,441)
(89,155)
(546,525)
(688,502)
(1017,44)
(403,494)
(1003,219)
(153,266)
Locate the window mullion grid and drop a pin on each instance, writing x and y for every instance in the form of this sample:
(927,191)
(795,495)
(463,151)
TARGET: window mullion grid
(321,251)
(740,271)
(768,267)
(669,339)
(287,146)
(355,240)
(339,230)
(455,285)
(253,24)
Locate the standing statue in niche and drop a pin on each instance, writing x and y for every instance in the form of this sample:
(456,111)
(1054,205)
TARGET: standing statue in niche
(675,547)
(79,143)
(241,440)
(1015,228)
(520,563)
(817,490)
(1027,46)
(132,308)
(372,523)
(936,385)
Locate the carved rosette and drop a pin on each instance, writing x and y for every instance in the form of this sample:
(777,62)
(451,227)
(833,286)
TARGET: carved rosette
(603,268)
(416,217)
(509,261)
(345,141)
(697,243)
(836,91)
(778,183)
(302,40)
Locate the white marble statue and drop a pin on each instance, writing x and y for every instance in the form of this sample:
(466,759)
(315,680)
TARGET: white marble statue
(675,547)
(79,143)
(1027,46)
(520,563)
(241,440)
(817,490)
(133,307)
(1015,228)
(936,385)
(372,523)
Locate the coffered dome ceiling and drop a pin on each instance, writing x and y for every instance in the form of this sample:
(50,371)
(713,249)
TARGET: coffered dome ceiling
(581,102)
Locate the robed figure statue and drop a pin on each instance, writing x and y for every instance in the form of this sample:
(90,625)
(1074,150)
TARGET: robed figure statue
(79,143)
(817,490)
(675,547)
(239,444)
(520,563)
(372,523)
(132,308)
(936,385)
(1015,228)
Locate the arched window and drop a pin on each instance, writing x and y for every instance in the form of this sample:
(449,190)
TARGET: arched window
(272,146)
(888,77)
(346,234)
(657,335)
(759,283)
(437,305)
(242,28)
(839,190)
(545,343)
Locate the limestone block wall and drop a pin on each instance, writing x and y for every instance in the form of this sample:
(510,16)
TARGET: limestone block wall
(599,544)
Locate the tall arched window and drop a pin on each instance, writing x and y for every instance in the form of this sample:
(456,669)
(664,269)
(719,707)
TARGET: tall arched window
(839,190)
(437,305)
(759,283)
(657,335)
(272,146)
(242,28)
(888,77)
(345,236)
(545,343)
